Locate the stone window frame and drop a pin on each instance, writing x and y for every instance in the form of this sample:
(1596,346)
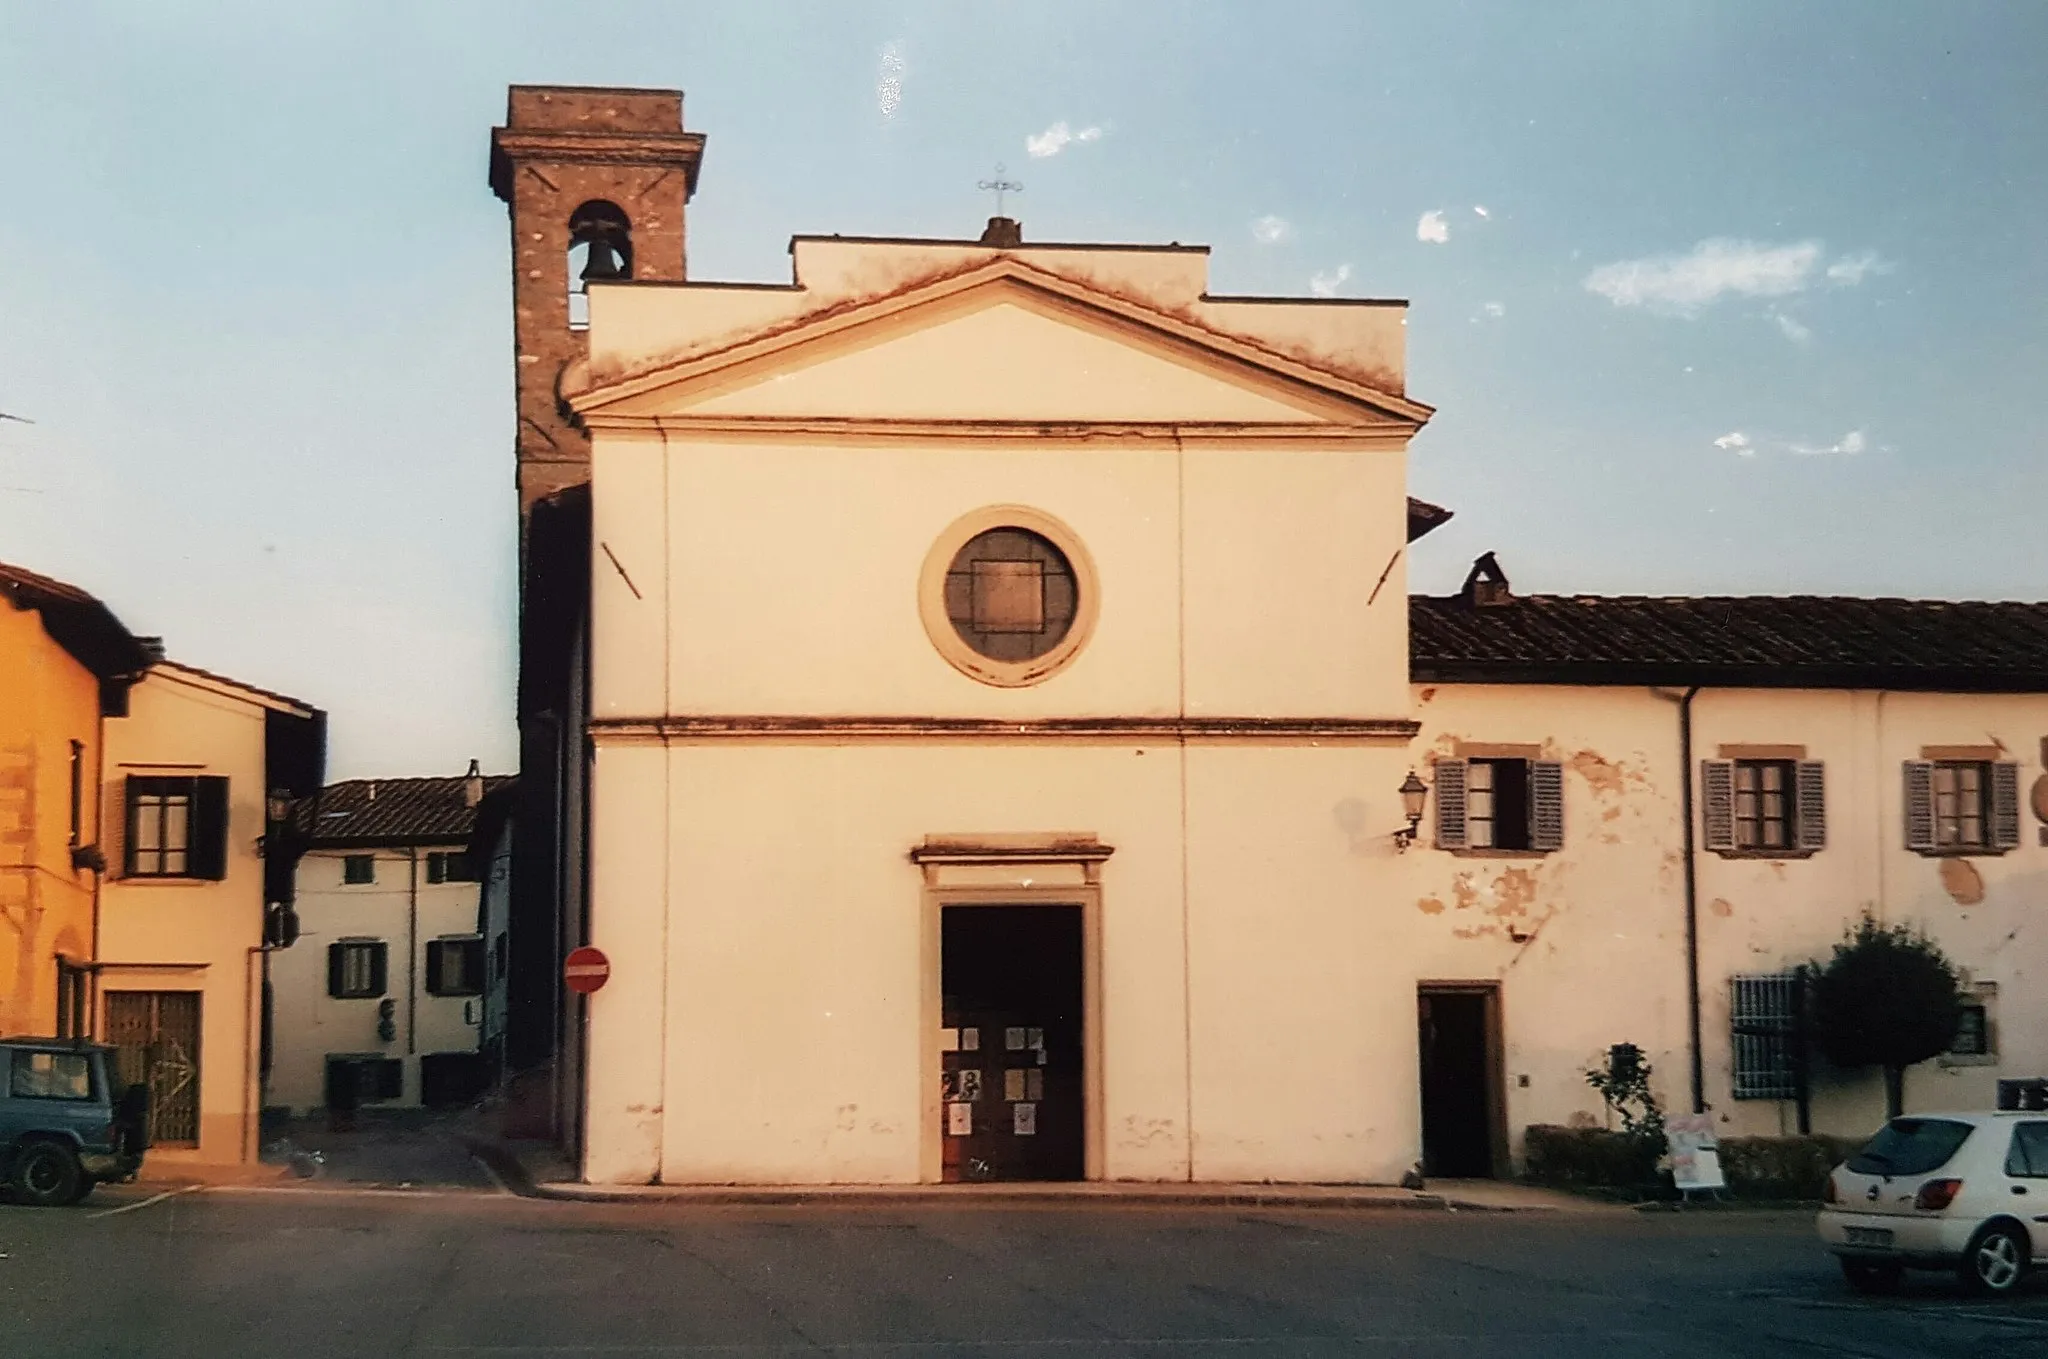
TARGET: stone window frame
(958,653)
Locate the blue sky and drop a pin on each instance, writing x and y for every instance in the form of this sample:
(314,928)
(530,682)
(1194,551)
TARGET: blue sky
(1717,297)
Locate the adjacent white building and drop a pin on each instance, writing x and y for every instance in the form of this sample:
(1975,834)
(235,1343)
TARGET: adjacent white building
(379,1001)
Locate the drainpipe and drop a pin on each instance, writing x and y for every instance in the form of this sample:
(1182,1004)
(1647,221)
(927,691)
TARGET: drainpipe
(1692,905)
(412,947)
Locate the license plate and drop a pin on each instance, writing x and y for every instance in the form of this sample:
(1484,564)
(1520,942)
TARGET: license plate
(1869,1236)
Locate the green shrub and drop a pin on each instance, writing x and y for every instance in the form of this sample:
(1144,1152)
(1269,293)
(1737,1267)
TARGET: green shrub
(1782,1167)
(1588,1157)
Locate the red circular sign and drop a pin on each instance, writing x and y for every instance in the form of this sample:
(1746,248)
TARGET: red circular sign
(586,969)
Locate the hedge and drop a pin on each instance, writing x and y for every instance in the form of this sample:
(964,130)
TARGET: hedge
(1755,1167)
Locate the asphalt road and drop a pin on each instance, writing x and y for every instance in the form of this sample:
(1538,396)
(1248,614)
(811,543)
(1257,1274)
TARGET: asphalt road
(338,1272)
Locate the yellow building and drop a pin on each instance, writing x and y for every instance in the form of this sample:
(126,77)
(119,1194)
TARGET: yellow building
(65,661)
(191,774)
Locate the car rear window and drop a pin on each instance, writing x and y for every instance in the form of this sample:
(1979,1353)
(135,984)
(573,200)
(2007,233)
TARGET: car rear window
(1910,1146)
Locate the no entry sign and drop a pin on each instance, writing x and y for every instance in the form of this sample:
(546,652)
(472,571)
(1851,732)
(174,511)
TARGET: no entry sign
(586,969)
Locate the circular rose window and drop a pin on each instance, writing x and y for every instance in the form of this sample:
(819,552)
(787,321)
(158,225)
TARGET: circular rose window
(1007,595)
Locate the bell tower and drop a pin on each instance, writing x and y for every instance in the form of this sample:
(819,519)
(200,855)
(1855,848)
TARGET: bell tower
(596,181)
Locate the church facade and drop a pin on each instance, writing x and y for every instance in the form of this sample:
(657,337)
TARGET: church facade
(1002,743)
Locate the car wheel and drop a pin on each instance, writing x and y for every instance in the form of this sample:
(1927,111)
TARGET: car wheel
(46,1175)
(1873,1276)
(1995,1260)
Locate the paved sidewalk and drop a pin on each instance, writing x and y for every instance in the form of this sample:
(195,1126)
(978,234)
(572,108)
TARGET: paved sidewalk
(537,1170)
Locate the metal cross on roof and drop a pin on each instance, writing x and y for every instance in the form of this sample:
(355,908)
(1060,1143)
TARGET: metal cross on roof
(1000,186)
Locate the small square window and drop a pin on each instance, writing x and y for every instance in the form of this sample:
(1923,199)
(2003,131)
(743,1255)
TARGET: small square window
(358,869)
(355,969)
(1976,1040)
(449,866)
(455,967)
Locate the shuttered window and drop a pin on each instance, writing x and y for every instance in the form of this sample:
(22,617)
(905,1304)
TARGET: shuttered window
(356,969)
(1962,806)
(175,827)
(1767,808)
(1500,804)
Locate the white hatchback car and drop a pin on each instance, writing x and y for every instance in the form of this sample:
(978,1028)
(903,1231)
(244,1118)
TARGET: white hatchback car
(1967,1192)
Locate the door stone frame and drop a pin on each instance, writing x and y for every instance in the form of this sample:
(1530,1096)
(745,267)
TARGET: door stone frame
(1056,869)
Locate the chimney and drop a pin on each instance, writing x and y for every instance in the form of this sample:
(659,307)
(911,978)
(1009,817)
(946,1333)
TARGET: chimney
(473,786)
(1486,587)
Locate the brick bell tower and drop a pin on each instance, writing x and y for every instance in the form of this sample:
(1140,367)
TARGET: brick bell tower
(596,181)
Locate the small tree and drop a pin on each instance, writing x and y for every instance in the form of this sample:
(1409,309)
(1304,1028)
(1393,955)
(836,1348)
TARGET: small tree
(1888,998)
(1625,1084)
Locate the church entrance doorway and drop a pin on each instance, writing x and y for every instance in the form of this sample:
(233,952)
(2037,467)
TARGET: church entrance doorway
(1012,1065)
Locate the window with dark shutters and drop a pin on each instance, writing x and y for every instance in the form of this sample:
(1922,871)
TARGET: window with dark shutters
(1450,804)
(1500,804)
(356,969)
(1962,806)
(1763,808)
(175,827)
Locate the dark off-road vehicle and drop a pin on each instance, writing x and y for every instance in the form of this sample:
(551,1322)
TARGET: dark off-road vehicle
(63,1125)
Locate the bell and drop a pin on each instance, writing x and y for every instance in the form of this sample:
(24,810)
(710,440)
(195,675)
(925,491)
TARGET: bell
(604,263)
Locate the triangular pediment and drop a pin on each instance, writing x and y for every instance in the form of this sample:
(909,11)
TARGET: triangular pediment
(1003,343)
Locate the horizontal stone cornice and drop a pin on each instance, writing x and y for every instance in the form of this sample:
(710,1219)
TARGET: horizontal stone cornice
(1119,730)
(1392,437)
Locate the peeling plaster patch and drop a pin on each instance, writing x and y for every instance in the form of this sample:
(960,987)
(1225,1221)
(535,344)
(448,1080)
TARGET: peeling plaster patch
(1430,693)
(1962,882)
(1721,907)
(1602,776)
(1513,892)
(1430,906)
(1466,894)
(1611,814)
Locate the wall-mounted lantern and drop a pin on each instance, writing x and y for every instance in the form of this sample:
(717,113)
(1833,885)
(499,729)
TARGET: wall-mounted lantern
(1414,792)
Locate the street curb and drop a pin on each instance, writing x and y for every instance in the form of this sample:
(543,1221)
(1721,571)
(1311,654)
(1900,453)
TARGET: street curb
(741,1195)
(503,1164)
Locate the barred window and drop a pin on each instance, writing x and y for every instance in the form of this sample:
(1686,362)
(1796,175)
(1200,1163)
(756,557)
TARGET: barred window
(1764,1034)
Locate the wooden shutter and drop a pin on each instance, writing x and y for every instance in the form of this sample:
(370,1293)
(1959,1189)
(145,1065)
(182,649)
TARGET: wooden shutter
(1920,805)
(128,791)
(207,857)
(379,955)
(1717,804)
(335,954)
(1546,805)
(1450,804)
(2005,806)
(1811,778)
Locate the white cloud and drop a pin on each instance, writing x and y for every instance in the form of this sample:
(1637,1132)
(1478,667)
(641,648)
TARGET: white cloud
(1850,270)
(1480,208)
(889,79)
(1326,285)
(1849,444)
(1735,441)
(1432,227)
(1493,310)
(1058,138)
(1794,332)
(1272,229)
(1685,283)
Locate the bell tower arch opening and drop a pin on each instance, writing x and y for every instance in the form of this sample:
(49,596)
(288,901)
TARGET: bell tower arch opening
(600,251)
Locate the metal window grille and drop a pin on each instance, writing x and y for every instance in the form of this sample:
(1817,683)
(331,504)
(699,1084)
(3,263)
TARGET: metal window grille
(1764,1028)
